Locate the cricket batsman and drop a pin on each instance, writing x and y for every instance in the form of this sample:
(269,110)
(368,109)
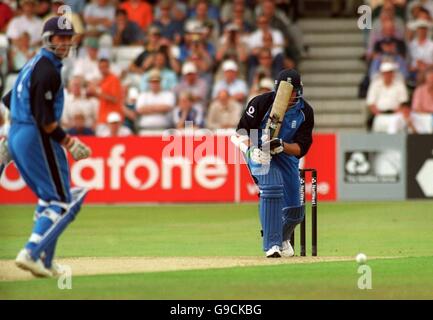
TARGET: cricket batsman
(274,132)
(36,144)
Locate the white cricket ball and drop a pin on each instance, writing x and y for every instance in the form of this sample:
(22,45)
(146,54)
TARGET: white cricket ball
(361,258)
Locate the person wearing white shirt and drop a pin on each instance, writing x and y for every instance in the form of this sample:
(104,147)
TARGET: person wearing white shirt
(236,87)
(77,102)
(256,42)
(155,106)
(385,97)
(27,22)
(421,48)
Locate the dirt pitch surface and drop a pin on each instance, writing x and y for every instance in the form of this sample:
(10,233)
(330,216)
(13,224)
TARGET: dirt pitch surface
(120,265)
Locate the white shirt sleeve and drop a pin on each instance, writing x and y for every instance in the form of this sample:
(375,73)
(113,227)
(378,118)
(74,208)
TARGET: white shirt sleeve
(372,93)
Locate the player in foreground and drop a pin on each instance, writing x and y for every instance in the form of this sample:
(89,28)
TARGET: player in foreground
(274,132)
(36,143)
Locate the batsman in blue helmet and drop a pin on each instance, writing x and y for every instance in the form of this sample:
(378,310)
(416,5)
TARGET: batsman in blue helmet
(274,163)
(36,144)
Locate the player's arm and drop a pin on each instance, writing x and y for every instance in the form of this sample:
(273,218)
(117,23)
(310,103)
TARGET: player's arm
(45,83)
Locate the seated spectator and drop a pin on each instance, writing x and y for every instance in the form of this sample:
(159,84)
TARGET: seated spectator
(423,96)
(231,46)
(193,84)
(99,16)
(171,29)
(6,14)
(385,97)
(201,16)
(108,91)
(387,29)
(138,11)
(398,9)
(264,85)
(388,52)
(26,22)
(187,110)
(159,61)
(265,67)
(255,40)
(20,53)
(410,122)
(113,127)
(79,127)
(77,102)
(126,32)
(236,87)
(237,10)
(87,66)
(414,7)
(154,107)
(224,112)
(421,50)
(152,45)
(196,44)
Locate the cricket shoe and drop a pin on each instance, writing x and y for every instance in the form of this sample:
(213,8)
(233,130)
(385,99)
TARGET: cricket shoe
(37,268)
(57,269)
(287,249)
(273,252)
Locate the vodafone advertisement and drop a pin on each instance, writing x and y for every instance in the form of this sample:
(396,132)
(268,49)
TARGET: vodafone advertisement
(169,169)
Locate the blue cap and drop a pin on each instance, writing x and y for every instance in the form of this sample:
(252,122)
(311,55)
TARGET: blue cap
(58,26)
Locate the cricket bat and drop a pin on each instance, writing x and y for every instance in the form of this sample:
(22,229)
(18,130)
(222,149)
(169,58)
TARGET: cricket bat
(279,109)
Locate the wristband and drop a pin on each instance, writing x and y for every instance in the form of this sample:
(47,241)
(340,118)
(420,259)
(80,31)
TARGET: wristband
(58,134)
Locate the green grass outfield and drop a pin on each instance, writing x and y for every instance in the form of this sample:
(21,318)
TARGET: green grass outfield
(402,231)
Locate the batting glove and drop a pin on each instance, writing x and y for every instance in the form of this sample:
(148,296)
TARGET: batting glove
(5,156)
(258,156)
(78,149)
(275,146)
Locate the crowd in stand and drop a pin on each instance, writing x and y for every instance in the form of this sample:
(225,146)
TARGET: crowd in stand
(399,84)
(152,65)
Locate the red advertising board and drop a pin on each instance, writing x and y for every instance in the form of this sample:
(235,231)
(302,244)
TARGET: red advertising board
(322,157)
(168,169)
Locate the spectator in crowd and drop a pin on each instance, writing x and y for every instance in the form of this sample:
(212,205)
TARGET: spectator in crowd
(195,43)
(113,127)
(201,17)
(236,9)
(43,8)
(77,102)
(255,40)
(420,14)
(78,127)
(387,30)
(126,32)
(388,52)
(421,50)
(87,66)
(108,92)
(232,47)
(99,16)
(410,122)
(154,107)
(159,61)
(279,21)
(388,5)
(6,14)
(20,53)
(138,11)
(236,87)
(171,29)
(193,84)
(418,4)
(152,45)
(423,97)
(224,112)
(385,97)
(267,67)
(263,86)
(187,110)
(26,22)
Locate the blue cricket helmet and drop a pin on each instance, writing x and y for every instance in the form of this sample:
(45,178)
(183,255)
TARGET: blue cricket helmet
(56,26)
